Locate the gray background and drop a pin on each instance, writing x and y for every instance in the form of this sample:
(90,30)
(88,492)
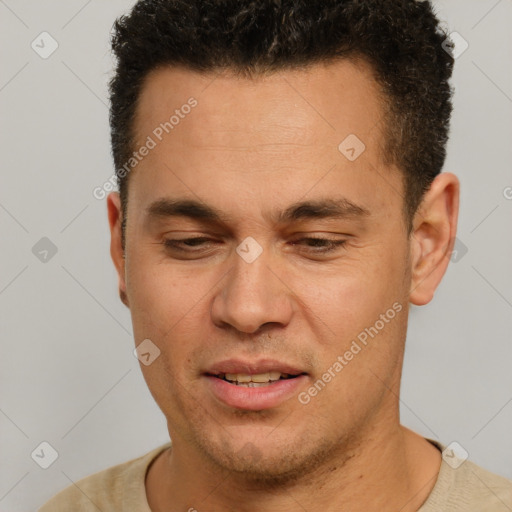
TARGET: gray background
(67,372)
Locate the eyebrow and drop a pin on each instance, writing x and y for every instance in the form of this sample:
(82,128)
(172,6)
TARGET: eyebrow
(315,209)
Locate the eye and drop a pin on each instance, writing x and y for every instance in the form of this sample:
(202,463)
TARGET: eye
(322,245)
(316,245)
(186,244)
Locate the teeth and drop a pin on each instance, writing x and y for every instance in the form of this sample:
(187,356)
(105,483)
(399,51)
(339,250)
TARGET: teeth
(239,377)
(260,378)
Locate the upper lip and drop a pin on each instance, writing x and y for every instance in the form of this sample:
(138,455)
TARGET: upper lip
(252,367)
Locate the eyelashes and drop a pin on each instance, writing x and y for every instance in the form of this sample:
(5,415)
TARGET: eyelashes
(324,245)
(198,245)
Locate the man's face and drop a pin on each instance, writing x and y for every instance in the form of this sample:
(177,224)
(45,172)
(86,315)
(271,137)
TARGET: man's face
(253,150)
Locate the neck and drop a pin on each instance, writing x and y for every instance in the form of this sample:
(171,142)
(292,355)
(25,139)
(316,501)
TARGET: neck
(393,470)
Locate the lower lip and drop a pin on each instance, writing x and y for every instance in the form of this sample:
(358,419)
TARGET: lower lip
(255,399)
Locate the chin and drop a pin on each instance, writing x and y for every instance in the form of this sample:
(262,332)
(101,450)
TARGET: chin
(271,467)
(266,472)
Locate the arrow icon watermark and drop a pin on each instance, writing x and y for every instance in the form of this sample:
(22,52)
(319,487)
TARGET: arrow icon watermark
(249,249)
(146,352)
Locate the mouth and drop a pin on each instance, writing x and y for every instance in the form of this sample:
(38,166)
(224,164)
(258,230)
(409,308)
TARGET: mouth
(254,386)
(257,380)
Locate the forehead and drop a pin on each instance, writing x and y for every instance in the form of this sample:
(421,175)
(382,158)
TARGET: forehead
(316,100)
(266,136)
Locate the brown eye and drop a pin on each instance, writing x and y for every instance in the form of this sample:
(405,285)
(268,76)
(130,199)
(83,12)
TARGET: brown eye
(322,245)
(185,244)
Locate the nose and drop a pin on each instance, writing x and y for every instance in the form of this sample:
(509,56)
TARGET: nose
(252,295)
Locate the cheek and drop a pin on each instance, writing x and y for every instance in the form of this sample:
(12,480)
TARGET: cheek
(170,305)
(161,295)
(166,307)
(354,295)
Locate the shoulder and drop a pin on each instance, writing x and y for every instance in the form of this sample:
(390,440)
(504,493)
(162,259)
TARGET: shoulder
(463,486)
(480,489)
(108,489)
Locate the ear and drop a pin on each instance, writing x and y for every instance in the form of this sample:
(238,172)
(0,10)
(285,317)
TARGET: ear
(433,237)
(116,249)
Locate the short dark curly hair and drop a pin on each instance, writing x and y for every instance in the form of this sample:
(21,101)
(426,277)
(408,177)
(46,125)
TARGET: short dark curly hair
(401,39)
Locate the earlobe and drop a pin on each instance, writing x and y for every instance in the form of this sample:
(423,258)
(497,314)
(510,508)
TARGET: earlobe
(116,250)
(433,237)
(123,297)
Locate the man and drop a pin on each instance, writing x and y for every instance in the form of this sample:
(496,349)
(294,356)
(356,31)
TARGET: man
(281,204)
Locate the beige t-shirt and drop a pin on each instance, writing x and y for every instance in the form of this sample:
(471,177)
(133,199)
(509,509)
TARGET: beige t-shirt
(468,488)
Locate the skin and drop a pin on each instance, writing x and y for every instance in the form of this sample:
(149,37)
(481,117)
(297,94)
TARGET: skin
(250,148)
